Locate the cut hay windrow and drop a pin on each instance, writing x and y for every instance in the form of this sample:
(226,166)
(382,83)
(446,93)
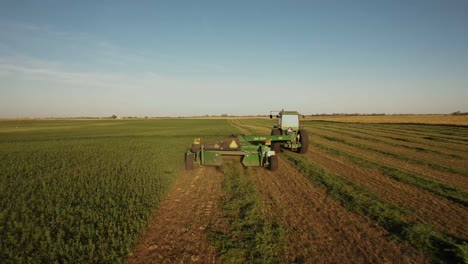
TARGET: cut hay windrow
(455,194)
(443,247)
(400,156)
(399,142)
(401,136)
(432,135)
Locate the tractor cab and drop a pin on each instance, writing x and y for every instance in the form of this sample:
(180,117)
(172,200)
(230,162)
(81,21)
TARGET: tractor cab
(288,125)
(288,121)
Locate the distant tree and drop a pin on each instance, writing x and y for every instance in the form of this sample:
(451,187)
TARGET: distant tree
(459,113)
(114,116)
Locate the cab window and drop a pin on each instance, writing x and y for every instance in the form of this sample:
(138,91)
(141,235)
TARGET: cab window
(290,121)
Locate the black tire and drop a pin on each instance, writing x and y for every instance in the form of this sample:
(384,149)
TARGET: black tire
(273,163)
(276,132)
(304,140)
(195,147)
(189,161)
(276,146)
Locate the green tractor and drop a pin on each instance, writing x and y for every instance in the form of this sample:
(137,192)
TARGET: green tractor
(296,139)
(251,150)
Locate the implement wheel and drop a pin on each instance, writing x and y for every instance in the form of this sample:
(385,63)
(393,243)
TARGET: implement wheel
(276,146)
(273,163)
(189,162)
(304,140)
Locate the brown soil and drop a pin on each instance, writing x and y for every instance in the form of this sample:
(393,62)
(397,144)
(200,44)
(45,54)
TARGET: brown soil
(319,229)
(455,139)
(448,148)
(429,208)
(398,149)
(446,177)
(412,119)
(176,234)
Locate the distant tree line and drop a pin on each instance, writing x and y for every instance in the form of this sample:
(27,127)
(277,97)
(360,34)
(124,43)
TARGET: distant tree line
(459,113)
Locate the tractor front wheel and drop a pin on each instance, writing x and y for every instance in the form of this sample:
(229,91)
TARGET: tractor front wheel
(273,163)
(189,161)
(276,146)
(304,140)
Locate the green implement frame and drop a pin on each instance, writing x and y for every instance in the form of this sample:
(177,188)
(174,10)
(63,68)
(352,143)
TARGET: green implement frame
(251,150)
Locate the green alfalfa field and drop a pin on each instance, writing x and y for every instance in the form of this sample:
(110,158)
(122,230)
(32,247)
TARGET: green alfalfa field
(86,191)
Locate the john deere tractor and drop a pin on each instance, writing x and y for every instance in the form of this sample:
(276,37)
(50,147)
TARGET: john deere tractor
(296,137)
(252,150)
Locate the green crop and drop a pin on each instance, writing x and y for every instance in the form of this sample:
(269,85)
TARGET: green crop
(249,237)
(82,191)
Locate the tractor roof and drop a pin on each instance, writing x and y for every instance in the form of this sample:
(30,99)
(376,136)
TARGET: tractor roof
(289,112)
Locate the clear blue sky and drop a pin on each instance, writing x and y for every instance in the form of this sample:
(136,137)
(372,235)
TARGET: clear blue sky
(159,58)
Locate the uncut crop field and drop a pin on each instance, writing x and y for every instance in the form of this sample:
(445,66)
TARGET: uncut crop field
(81,191)
(410,179)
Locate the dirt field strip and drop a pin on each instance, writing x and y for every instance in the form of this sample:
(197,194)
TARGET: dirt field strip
(431,209)
(362,201)
(457,120)
(436,135)
(398,142)
(426,141)
(457,133)
(176,234)
(430,167)
(319,229)
(416,151)
(398,170)
(432,162)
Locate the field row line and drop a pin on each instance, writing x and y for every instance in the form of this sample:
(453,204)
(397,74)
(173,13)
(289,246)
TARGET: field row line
(433,165)
(445,132)
(378,138)
(455,194)
(363,201)
(429,208)
(448,132)
(247,237)
(426,136)
(396,136)
(243,127)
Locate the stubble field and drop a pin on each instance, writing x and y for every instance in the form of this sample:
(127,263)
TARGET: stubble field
(115,191)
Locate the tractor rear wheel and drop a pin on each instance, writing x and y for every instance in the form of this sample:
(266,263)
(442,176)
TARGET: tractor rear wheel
(273,163)
(276,146)
(304,140)
(189,160)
